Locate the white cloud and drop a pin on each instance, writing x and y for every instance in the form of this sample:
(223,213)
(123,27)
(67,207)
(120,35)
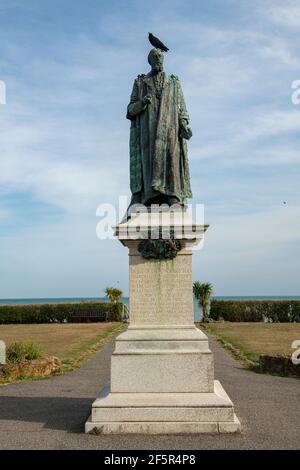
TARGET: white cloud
(268,124)
(248,141)
(61,259)
(281,52)
(255,253)
(287,15)
(278,155)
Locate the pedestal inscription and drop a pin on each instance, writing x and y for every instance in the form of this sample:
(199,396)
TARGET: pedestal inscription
(161,291)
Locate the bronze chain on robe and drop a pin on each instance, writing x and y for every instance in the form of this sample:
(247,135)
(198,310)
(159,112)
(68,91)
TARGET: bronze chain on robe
(158,81)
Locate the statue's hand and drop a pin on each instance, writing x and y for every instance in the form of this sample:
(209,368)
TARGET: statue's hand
(185,131)
(147,100)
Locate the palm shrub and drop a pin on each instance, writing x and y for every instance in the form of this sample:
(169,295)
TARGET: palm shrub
(19,351)
(113,294)
(203,292)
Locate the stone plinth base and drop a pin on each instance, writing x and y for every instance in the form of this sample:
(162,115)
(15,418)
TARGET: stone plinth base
(162,382)
(162,370)
(165,360)
(163,413)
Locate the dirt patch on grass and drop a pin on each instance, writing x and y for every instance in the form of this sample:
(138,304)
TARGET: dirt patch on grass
(11,372)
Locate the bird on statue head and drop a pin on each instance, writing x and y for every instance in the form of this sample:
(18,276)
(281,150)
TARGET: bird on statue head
(157,43)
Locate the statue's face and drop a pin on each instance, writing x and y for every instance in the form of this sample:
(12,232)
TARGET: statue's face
(156,60)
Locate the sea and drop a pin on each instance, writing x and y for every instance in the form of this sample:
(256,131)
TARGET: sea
(125,300)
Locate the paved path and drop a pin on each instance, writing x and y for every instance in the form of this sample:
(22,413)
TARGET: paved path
(50,414)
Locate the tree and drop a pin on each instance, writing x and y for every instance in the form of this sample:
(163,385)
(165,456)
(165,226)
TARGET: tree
(113,294)
(203,292)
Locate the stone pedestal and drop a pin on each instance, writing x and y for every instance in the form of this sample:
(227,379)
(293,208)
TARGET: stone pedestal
(162,370)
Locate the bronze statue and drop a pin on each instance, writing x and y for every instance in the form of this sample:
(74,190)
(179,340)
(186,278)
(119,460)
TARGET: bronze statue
(159,170)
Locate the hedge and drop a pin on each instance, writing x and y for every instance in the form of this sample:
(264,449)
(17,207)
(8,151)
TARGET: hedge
(60,313)
(277,311)
(278,365)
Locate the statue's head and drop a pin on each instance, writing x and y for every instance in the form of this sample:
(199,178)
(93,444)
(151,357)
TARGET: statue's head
(156,60)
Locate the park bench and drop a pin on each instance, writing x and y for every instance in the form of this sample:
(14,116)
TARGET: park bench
(88,315)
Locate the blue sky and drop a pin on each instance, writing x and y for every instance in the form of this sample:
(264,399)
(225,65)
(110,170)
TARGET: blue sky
(69,66)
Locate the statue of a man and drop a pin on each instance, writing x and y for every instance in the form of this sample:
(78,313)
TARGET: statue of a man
(159,170)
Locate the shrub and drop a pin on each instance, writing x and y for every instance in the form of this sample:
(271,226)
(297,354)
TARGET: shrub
(256,310)
(295,311)
(116,312)
(18,352)
(203,292)
(278,365)
(113,294)
(60,313)
(236,311)
(277,311)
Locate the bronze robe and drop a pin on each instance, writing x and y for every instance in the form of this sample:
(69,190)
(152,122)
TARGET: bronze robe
(158,155)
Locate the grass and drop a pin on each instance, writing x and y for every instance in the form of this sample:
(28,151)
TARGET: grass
(247,341)
(20,351)
(72,343)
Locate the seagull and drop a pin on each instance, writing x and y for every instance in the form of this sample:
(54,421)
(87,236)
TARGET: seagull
(157,43)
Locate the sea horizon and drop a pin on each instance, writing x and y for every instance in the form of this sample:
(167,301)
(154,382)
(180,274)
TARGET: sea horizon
(125,299)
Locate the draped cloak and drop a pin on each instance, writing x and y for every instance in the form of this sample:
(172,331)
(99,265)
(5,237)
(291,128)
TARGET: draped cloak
(158,155)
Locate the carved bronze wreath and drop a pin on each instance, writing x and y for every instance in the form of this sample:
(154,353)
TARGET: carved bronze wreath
(159,249)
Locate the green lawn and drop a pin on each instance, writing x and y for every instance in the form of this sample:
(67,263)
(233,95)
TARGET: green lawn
(72,343)
(250,340)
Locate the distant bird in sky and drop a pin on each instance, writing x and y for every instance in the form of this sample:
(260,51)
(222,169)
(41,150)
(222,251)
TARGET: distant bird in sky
(284,202)
(157,43)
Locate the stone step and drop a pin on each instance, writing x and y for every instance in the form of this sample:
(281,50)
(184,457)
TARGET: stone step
(163,427)
(156,413)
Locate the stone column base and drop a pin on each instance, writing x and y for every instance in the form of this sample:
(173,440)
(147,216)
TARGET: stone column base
(162,382)
(163,413)
(162,370)
(166,360)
